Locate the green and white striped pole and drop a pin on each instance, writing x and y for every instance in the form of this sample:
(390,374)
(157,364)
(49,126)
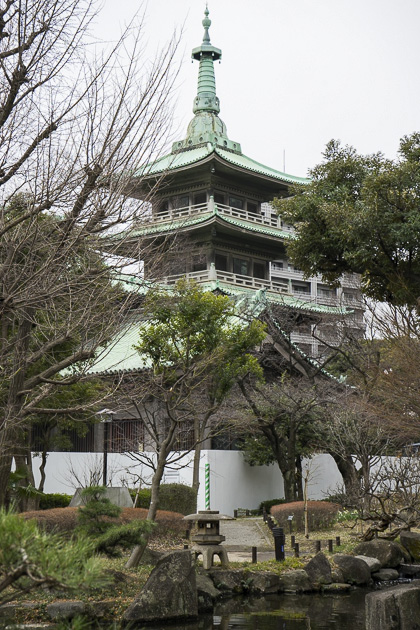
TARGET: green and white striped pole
(207,485)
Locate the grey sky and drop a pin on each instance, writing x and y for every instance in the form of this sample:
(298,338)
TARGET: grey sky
(295,73)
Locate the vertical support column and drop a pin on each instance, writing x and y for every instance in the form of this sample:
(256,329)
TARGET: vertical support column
(207,485)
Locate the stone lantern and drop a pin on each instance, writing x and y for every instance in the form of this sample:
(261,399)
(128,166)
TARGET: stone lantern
(208,538)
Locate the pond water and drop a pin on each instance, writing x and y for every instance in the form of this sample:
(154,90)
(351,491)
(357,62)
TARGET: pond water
(286,612)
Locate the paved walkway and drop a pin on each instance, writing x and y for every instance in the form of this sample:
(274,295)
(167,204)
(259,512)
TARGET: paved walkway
(243,534)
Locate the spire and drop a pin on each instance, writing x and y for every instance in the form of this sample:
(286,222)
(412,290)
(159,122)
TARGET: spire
(206,99)
(206,127)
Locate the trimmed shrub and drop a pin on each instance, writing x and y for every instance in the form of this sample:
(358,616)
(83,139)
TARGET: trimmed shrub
(172,497)
(143,499)
(268,504)
(54,500)
(321,514)
(65,520)
(177,497)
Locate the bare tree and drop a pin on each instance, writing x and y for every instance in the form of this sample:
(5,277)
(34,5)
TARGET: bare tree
(74,135)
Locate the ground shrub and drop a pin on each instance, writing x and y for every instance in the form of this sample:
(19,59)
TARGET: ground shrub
(321,515)
(177,497)
(143,498)
(65,520)
(268,504)
(54,500)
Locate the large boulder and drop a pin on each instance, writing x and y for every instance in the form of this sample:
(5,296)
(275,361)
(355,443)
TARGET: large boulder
(229,582)
(389,553)
(170,593)
(386,575)
(396,608)
(319,569)
(373,563)
(296,582)
(411,542)
(354,570)
(207,593)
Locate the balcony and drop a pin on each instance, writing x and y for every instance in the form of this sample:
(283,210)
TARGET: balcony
(230,279)
(175,214)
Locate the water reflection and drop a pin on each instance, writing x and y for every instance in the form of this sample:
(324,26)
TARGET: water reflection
(293,612)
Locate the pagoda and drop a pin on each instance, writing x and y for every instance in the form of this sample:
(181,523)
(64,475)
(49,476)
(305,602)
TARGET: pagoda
(211,214)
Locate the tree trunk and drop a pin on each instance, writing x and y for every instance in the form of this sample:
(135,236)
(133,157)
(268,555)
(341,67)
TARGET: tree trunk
(350,477)
(138,550)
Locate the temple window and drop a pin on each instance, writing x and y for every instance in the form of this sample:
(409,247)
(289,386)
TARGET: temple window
(259,270)
(240,266)
(199,198)
(236,202)
(221,262)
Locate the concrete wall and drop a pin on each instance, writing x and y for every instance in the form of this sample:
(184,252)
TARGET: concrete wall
(233,483)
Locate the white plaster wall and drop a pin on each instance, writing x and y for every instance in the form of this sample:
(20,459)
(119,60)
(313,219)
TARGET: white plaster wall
(233,483)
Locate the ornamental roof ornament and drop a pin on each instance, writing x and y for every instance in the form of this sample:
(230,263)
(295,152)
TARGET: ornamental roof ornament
(206,126)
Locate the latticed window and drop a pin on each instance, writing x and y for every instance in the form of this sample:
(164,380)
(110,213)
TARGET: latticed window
(126,436)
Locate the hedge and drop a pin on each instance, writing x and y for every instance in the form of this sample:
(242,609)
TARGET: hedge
(173,497)
(54,500)
(321,515)
(65,520)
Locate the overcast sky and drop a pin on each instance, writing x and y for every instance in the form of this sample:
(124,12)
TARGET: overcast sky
(295,73)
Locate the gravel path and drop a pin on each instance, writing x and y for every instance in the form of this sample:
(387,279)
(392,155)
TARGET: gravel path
(244,533)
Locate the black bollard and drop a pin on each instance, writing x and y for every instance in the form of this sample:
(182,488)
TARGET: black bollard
(292,541)
(330,544)
(296,550)
(317,546)
(235,513)
(264,514)
(337,541)
(254,555)
(279,540)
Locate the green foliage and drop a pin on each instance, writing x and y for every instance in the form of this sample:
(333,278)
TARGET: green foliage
(143,498)
(94,517)
(173,497)
(197,334)
(321,514)
(118,537)
(177,497)
(345,515)
(361,214)
(32,558)
(268,504)
(54,500)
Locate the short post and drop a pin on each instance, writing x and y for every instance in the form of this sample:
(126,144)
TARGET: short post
(186,546)
(330,544)
(317,546)
(279,540)
(246,512)
(337,541)
(290,521)
(254,555)
(187,534)
(292,541)
(270,522)
(264,514)
(296,550)
(235,513)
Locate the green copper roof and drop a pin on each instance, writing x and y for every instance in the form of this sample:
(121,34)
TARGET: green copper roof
(174,161)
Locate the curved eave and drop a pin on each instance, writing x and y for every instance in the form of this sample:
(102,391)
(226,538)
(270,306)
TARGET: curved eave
(172,164)
(209,218)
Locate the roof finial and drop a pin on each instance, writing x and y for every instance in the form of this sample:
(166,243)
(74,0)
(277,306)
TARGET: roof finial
(206,23)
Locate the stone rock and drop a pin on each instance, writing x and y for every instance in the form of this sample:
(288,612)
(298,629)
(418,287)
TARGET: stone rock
(396,608)
(373,563)
(207,593)
(170,593)
(355,571)
(386,575)
(265,583)
(410,570)
(296,582)
(411,542)
(337,575)
(66,609)
(336,587)
(389,553)
(319,569)
(227,581)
